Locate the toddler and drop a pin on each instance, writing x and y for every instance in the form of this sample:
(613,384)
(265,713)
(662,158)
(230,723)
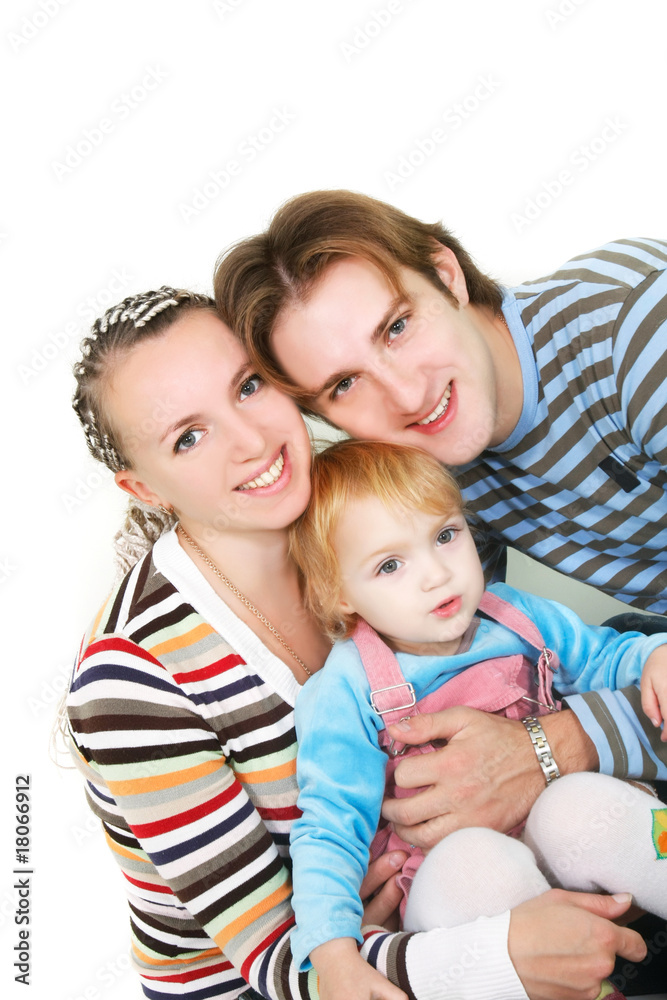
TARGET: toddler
(391,569)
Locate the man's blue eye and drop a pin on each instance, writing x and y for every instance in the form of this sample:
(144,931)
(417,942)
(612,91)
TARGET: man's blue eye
(396,329)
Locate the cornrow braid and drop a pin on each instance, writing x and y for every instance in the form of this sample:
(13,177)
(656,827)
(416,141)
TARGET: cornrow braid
(112,336)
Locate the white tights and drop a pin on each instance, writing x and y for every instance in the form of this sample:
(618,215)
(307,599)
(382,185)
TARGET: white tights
(586,831)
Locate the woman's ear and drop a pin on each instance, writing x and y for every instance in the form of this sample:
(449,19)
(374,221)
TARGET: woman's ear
(127,480)
(449,271)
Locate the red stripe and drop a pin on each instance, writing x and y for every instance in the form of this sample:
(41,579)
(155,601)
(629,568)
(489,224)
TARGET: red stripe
(189,816)
(278,932)
(219,667)
(286,812)
(120,645)
(188,977)
(148,885)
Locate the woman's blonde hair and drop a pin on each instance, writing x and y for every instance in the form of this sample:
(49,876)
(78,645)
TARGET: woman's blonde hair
(398,475)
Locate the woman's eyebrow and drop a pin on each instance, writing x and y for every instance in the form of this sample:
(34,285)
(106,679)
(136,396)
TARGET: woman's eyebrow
(193,418)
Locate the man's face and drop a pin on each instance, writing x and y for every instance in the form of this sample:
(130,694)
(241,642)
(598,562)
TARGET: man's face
(415,370)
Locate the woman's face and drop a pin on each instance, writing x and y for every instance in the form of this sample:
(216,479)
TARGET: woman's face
(204,434)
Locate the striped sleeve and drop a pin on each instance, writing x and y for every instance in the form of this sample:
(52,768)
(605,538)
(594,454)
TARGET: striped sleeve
(627,743)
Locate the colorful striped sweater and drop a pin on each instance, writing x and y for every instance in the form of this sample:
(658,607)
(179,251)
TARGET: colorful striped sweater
(187,745)
(189,754)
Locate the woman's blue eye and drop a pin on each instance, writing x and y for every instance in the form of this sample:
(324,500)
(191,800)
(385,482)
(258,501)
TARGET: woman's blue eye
(250,386)
(187,441)
(447,535)
(396,329)
(390,566)
(343,386)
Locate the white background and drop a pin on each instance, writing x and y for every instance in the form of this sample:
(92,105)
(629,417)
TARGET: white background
(362,85)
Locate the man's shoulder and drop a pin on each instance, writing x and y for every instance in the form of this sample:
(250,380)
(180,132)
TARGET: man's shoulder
(620,263)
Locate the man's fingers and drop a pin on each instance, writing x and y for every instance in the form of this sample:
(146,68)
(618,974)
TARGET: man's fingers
(434,726)
(413,810)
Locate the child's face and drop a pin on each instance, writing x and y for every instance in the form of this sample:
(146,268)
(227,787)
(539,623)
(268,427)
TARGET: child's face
(414,577)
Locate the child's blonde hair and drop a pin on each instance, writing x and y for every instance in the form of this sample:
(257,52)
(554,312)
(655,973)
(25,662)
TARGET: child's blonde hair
(398,475)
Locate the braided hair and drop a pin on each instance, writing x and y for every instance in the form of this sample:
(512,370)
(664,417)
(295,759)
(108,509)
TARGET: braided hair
(113,335)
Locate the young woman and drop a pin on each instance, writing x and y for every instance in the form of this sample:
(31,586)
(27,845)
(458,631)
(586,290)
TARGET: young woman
(181,704)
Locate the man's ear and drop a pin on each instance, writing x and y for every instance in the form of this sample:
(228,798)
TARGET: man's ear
(449,271)
(127,480)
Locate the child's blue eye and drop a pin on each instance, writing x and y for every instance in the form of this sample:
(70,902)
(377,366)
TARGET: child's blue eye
(390,566)
(447,535)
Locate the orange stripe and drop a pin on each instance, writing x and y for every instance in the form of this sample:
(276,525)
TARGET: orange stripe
(269,774)
(179,641)
(149,960)
(135,786)
(247,918)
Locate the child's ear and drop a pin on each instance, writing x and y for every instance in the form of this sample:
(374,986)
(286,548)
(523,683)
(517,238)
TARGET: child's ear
(345,607)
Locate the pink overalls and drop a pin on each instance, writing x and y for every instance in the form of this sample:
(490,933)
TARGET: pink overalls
(506,685)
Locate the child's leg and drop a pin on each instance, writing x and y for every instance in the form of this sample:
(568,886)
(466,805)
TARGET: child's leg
(592,832)
(471,873)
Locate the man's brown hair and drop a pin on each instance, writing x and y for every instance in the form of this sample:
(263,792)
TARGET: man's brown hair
(260,276)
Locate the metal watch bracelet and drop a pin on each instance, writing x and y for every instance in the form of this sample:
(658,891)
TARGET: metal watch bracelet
(542,749)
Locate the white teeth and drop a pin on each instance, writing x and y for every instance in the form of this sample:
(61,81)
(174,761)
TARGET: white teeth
(267,477)
(440,408)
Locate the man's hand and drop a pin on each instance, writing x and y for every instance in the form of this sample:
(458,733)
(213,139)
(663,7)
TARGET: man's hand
(653,688)
(562,944)
(345,975)
(486,775)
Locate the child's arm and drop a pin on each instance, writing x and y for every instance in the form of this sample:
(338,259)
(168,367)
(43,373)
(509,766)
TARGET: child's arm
(345,975)
(653,686)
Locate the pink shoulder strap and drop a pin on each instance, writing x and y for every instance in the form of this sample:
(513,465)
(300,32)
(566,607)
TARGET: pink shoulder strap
(392,696)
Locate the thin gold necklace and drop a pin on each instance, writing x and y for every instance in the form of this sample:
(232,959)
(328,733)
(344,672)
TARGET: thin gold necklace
(244,600)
